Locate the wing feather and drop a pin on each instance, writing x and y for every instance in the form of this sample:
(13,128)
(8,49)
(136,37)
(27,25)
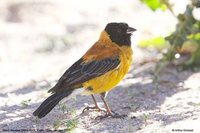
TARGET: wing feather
(81,72)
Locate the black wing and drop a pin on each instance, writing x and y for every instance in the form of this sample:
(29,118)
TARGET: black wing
(81,72)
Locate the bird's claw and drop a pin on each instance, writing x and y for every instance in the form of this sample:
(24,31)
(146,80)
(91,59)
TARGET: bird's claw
(92,108)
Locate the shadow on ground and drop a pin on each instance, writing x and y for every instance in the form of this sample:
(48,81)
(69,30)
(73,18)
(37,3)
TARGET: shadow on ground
(137,96)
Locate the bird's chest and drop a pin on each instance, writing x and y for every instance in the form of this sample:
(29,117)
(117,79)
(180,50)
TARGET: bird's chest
(125,63)
(109,80)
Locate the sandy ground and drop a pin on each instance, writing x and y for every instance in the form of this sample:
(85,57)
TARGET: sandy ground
(172,105)
(39,40)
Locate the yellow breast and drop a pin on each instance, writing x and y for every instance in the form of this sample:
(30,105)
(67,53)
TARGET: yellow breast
(109,80)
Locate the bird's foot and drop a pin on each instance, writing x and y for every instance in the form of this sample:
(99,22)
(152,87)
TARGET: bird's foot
(93,108)
(111,114)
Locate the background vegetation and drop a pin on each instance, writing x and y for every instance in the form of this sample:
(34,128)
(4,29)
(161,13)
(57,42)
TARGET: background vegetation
(185,40)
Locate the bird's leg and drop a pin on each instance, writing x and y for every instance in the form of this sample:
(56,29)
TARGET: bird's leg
(94,107)
(109,113)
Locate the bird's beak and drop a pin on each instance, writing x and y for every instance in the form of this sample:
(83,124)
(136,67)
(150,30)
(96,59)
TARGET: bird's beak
(130,30)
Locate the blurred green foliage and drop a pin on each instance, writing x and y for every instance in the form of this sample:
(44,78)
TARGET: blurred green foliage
(155,4)
(158,43)
(158,4)
(187,29)
(185,26)
(185,38)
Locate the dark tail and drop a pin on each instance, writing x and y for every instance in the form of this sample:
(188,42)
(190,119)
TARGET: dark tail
(50,103)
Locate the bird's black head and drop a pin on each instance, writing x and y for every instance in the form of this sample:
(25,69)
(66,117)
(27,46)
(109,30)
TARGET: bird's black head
(120,33)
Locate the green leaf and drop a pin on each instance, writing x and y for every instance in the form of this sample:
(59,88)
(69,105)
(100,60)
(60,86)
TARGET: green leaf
(158,43)
(154,4)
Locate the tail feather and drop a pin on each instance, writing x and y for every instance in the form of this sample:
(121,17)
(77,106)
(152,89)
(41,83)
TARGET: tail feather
(50,103)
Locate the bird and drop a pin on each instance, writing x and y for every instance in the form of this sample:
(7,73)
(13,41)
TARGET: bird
(98,71)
